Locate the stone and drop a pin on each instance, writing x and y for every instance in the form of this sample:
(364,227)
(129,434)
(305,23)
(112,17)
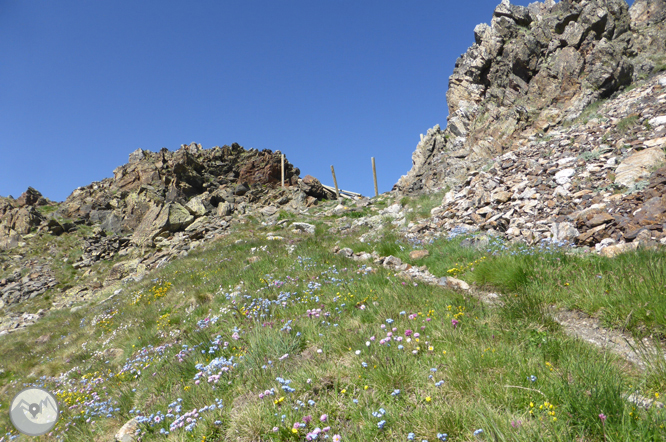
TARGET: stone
(241,189)
(127,432)
(196,207)
(599,218)
(268,210)
(304,227)
(614,250)
(312,187)
(657,121)
(638,166)
(564,231)
(564,176)
(656,142)
(347,252)
(604,243)
(418,254)
(159,220)
(113,223)
(454,283)
(225,209)
(392,261)
(501,196)
(54,227)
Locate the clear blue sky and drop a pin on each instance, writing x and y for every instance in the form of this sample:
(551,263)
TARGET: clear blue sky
(84,83)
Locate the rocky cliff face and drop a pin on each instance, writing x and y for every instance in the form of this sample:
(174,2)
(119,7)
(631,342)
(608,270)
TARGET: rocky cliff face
(531,70)
(556,127)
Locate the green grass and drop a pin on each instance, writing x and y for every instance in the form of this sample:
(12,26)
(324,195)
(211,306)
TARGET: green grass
(590,112)
(627,123)
(456,379)
(423,204)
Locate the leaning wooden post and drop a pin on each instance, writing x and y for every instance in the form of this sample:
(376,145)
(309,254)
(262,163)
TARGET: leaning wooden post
(337,192)
(374,174)
(282,170)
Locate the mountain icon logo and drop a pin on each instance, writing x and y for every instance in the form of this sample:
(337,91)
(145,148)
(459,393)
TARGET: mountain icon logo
(34,411)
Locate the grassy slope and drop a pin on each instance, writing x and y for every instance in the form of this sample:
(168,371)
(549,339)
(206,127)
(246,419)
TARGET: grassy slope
(146,351)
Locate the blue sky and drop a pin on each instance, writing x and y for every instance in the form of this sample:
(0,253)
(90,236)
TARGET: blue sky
(327,82)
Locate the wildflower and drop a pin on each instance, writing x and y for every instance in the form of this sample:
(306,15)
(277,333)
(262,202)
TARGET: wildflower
(324,417)
(477,432)
(532,378)
(442,436)
(410,436)
(337,438)
(454,321)
(307,419)
(603,418)
(381,424)
(395,393)
(428,398)
(358,352)
(408,333)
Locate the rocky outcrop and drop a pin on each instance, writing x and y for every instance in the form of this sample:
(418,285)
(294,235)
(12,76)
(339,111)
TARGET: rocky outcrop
(157,178)
(598,182)
(19,217)
(531,70)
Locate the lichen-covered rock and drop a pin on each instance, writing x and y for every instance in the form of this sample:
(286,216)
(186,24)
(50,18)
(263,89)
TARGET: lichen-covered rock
(160,220)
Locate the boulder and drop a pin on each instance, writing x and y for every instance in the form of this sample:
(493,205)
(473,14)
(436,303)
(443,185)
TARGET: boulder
(127,432)
(268,210)
(614,250)
(564,231)
(196,207)
(113,223)
(9,240)
(242,189)
(638,166)
(225,209)
(312,187)
(159,220)
(304,227)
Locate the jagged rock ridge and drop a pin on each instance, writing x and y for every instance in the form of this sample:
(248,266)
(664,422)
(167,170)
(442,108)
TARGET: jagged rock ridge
(531,70)
(157,206)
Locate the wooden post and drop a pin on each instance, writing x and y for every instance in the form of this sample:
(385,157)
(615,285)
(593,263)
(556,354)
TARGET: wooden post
(283,170)
(374,174)
(337,192)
